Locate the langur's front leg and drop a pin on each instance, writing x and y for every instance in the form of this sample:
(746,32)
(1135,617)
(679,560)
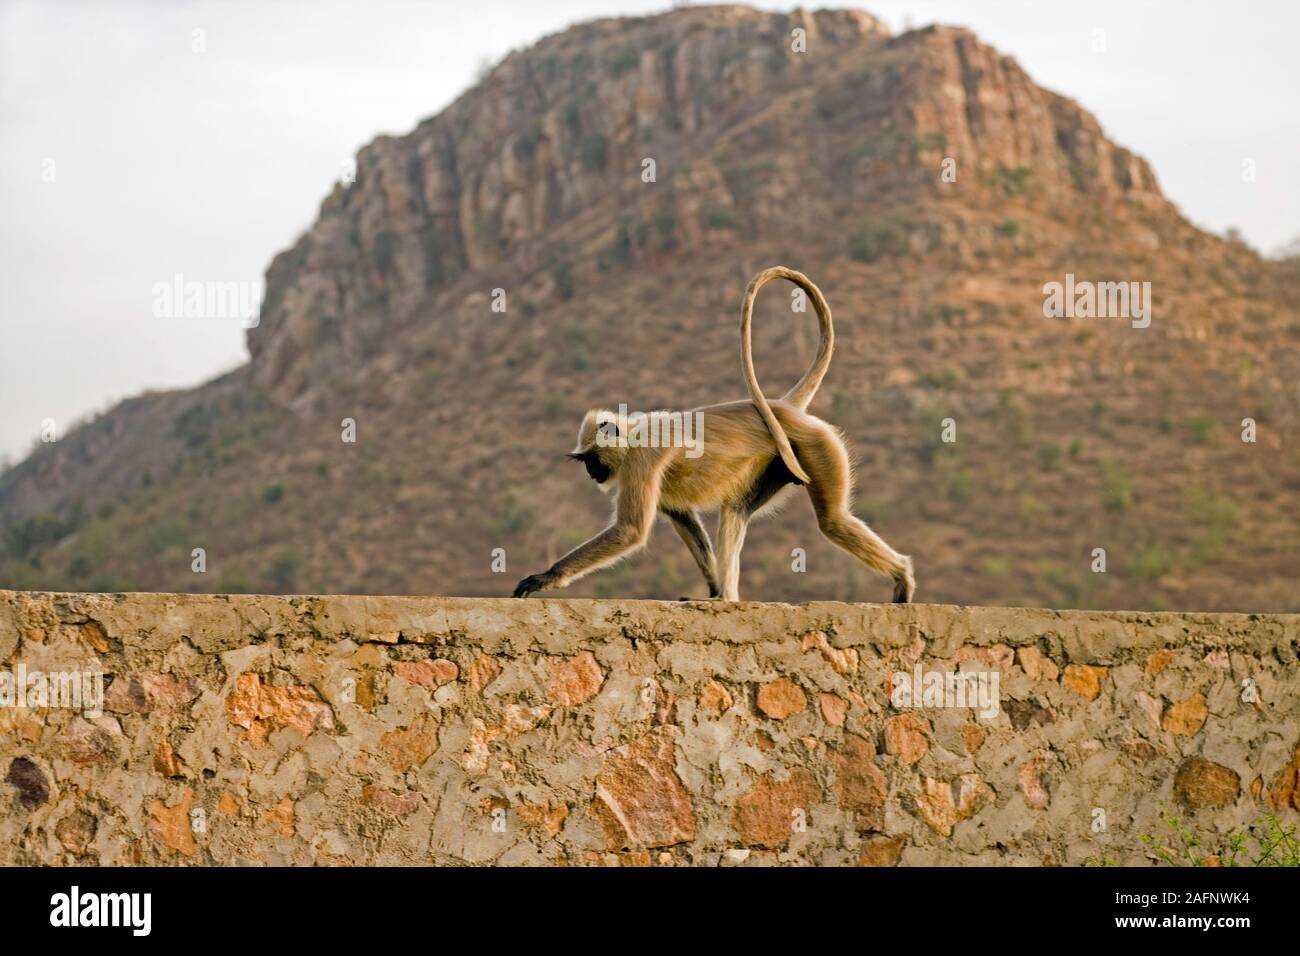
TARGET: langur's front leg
(631,528)
(606,548)
(691,530)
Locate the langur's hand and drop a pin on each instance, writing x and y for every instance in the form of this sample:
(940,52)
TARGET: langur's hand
(534,582)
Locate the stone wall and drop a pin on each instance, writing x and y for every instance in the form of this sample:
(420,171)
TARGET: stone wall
(333,730)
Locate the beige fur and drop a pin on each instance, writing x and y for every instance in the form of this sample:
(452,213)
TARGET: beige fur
(753,451)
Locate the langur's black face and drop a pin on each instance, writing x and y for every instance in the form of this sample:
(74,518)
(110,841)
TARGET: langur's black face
(597,470)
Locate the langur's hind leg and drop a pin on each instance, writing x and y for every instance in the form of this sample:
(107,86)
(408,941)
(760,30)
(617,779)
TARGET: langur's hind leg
(827,462)
(732,524)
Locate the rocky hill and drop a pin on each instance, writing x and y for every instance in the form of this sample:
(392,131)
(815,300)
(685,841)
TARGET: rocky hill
(927,184)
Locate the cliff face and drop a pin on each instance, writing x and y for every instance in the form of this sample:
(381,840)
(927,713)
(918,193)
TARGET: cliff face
(544,148)
(549,147)
(510,263)
(368,730)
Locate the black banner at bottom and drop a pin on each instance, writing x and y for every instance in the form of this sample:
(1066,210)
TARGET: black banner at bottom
(338,905)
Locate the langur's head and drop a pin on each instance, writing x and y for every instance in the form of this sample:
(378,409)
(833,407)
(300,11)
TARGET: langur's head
(599,447)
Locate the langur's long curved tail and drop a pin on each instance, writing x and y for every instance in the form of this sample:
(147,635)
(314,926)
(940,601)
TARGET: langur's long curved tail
(806,387)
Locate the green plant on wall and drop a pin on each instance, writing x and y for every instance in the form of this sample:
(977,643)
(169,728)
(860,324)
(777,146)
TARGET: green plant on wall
(1269,841)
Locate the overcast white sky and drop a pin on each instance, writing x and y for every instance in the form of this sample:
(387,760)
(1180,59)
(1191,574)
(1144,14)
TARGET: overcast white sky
(168,161)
